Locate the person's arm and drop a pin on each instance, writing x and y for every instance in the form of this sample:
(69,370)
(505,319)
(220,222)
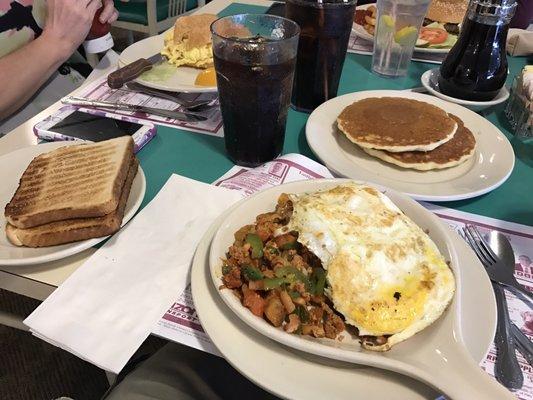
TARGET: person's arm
(23,71)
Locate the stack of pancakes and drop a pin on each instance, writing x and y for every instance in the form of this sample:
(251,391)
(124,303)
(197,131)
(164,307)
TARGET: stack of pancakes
(408,133)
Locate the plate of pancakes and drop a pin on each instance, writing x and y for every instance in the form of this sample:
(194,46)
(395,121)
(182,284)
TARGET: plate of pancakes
(418,144)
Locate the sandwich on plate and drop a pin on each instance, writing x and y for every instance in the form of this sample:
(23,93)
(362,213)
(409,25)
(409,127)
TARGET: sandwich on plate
(189,45)
(73,193)
(442,24)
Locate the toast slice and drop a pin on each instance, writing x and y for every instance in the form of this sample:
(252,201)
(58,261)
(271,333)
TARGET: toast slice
(78,181)
(72,230)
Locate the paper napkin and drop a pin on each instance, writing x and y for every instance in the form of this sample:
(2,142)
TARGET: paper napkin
(106,309)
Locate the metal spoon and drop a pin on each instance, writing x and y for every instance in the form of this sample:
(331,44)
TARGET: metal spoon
(501,257)
(175,97)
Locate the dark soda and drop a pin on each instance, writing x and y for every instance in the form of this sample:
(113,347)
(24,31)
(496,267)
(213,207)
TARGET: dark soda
(324,33)
(254,98)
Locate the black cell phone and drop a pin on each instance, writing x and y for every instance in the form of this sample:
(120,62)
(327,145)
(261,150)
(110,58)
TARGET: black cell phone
(94,126)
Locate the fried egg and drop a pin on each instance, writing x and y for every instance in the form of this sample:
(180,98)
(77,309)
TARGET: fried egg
(385,275)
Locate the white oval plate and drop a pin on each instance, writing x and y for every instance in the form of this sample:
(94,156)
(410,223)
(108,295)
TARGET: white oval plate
(490,166)
(430,82)
(181,81)
(348,349)
(363,34)
(292,374)
(12,166)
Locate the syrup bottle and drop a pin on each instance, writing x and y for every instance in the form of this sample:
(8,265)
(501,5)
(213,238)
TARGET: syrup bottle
(476,67)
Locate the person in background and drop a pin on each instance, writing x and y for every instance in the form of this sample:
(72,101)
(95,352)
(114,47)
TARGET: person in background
(30,54)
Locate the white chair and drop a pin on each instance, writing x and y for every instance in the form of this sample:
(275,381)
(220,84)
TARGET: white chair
(152,16)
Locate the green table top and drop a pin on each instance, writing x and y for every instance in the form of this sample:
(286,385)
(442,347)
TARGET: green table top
(203,158)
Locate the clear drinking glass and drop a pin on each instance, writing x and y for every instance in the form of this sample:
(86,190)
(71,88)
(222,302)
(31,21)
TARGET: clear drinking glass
(254,56)
(326,27)
(397,26)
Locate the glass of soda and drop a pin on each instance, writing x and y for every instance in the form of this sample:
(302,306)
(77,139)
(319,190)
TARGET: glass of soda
(326,27)
(397,26)
(255,56)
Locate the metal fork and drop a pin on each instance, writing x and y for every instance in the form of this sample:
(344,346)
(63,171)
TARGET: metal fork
(496,268)
(506,369)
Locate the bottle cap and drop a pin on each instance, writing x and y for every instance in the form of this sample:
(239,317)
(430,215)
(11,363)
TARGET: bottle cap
(500,10)
(99,45)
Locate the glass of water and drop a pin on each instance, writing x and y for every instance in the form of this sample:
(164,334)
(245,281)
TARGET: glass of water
(397,26)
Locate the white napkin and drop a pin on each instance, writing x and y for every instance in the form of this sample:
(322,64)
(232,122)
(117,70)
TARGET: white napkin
(106,309)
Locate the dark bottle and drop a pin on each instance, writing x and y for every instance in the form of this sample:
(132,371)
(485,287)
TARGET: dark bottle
(476,67)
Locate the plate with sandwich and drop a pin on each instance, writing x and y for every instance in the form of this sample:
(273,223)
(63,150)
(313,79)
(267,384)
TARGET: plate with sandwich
(418,144)
(178,60)
(61,198)
(440,29)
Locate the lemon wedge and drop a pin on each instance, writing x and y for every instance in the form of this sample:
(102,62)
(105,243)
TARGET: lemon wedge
(406,36)
(387,21)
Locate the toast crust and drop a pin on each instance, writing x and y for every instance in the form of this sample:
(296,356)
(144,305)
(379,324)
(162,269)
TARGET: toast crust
(80,181)
(72,230)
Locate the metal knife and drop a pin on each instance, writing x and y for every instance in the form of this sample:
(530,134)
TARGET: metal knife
(116,79)
(181,115)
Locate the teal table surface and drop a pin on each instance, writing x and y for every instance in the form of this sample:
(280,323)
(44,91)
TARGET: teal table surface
(203,158)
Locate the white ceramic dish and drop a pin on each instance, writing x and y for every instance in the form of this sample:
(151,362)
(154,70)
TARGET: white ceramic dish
(292,374)
(437,355)
(363,34)
(430,82)
(180,81)
(12,166)
(491,165)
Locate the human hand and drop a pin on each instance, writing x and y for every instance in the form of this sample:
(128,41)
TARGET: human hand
(68,22)
(109,13)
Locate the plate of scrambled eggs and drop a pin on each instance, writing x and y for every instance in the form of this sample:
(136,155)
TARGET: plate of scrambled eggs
(187,56)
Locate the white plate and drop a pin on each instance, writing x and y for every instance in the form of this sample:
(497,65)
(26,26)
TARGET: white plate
(430,82)
(490,166)
(292,374)
(359,30)
(12,166)
(181,81)
(363,34)
(422,356)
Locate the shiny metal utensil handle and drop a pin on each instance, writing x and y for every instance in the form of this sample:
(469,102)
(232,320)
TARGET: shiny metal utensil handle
(521,293)
(506,369)
(523,344)
(117,79)
(180,115)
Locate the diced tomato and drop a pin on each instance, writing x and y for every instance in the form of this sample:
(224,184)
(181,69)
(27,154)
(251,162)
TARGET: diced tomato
(253,301)
(433,35)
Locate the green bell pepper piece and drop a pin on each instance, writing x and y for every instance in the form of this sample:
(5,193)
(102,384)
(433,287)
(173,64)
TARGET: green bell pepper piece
(256,244)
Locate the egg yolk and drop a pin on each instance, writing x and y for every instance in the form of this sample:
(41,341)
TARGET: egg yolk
(207,77)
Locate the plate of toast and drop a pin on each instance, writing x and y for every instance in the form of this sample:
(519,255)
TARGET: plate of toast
(64,197)
(418,144)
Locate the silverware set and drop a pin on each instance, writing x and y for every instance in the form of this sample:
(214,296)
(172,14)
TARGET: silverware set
(496,254)
(191,110)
